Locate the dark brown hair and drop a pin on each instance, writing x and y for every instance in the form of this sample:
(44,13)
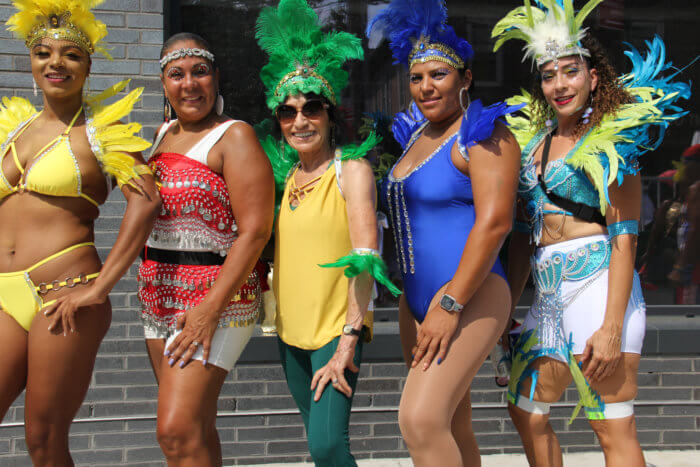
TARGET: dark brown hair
(608,96)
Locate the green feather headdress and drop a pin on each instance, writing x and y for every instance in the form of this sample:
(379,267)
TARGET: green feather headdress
(302,58)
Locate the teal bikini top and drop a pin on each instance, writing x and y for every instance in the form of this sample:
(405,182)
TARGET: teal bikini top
(559,178)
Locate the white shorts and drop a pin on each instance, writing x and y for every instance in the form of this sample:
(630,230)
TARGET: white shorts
(585,313)
(226,346)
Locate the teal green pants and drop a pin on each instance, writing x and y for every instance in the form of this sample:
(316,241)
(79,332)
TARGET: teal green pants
(327,420)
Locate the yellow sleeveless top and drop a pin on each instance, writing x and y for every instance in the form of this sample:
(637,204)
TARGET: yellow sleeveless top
(312,302)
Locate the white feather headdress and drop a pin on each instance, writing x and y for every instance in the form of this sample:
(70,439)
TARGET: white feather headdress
(550,32)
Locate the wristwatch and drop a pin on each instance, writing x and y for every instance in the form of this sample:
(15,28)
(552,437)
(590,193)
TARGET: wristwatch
(448,303)
(348,330)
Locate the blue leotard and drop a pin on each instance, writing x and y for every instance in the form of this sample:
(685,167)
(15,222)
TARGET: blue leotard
(432,212)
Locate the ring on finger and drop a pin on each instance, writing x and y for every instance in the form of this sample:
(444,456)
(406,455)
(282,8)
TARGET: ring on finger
(335,381)
(195,343)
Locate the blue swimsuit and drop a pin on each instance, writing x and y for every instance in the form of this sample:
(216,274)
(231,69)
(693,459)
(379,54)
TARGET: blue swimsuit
(432,212)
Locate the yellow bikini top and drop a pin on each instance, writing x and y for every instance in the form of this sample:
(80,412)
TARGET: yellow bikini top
(54,170)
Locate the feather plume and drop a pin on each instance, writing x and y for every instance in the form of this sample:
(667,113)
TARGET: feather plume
(554,24)
(519,124)
(282,158)
(404,22)
(406,123)
(111,140)
(352,151)
(611,150)
(479,121)
(292,37)
(14,112)
(356,263)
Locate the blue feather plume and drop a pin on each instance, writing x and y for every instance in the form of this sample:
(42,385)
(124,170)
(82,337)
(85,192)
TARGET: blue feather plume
(403,22)
(479,121)
(406,123)
(648,72)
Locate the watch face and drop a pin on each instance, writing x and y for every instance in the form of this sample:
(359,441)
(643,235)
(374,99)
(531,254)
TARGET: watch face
(447,303)
(347,329)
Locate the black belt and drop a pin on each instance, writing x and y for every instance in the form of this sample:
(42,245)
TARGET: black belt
(195,258)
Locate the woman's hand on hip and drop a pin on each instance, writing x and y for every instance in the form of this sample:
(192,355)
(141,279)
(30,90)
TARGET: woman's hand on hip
(65,307)
(198,326)
(434,336)
(334,371)
(602,354)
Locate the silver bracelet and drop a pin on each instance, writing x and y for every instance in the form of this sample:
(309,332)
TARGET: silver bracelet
(365,251)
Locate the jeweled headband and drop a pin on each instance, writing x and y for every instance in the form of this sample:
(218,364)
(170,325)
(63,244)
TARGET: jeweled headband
(426,51)
(59,28)
(69,20)
(418,32)
(303,73)
(181,53)
(554,50)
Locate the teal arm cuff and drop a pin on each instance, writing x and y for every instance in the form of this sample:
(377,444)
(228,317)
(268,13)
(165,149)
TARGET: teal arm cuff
(624,227)
(365,259)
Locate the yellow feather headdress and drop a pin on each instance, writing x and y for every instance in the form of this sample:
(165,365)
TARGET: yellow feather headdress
(69,20)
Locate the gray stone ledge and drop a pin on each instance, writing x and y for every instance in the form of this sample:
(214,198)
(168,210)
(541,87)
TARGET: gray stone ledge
(665,335)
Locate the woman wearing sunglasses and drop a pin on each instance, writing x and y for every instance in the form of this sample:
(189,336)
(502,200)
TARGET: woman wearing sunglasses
(199,292)
(327,211)
(450,200)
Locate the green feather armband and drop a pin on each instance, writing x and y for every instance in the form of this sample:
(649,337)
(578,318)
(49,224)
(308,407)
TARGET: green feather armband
(365,259)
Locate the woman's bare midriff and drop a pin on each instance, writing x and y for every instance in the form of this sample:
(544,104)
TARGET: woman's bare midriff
(34,227)
(560,228)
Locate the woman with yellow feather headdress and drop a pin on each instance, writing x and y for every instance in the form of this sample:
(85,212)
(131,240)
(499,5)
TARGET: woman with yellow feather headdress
(581,214)
(57,167)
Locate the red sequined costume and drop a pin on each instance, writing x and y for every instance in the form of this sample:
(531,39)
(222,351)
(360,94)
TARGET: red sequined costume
(196,223)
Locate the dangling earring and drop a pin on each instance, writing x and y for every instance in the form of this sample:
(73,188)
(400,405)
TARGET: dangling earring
(461,100)
(588,112)
(86,88)
(219,106)
(282,147)
(167,111)
(333,137)
(36,91)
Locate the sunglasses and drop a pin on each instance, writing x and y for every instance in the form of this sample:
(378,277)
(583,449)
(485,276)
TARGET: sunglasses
(311,109)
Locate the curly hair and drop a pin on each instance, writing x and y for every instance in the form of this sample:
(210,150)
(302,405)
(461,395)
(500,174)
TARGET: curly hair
(609,95)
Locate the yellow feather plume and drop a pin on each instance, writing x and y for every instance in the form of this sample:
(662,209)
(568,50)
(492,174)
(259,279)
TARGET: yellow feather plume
(13,112)
(114,140)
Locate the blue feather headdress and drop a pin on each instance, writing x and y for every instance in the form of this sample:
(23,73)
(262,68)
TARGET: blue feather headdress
(418,33)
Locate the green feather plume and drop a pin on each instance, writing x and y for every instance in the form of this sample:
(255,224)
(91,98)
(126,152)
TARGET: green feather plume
(588,398)
(519,123)
(352,151)
(522,358)
(357,263)
(282,158)
(292,37)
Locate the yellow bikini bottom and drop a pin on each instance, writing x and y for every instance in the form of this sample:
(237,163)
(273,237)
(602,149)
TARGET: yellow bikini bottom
(19,296)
